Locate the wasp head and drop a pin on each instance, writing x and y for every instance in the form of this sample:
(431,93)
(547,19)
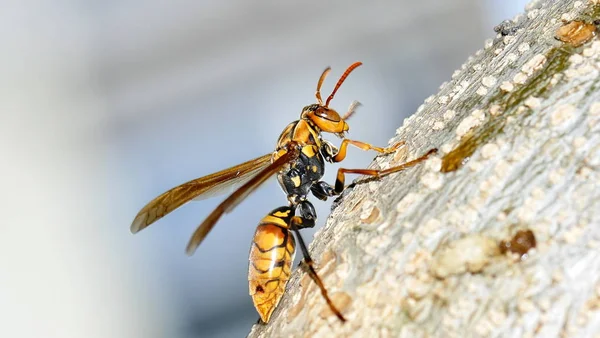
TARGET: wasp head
(325,118)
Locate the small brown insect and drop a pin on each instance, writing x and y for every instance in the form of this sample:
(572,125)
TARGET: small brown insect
(576,33)
(298,162)
(520,243)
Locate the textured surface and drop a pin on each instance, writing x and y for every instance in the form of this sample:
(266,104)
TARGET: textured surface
(417,253)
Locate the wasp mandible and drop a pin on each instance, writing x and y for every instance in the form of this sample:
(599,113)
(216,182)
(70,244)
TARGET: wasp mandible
(299,163)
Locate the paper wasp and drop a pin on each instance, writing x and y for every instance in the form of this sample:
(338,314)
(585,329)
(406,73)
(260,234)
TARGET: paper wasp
(299,164)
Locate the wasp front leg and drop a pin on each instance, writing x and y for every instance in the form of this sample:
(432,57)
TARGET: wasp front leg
(333,154)
(341,174)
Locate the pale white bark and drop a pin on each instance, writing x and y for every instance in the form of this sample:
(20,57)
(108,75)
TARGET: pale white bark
(416,253)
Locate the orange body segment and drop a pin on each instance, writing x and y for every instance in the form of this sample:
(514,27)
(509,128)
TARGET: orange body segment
(269,269)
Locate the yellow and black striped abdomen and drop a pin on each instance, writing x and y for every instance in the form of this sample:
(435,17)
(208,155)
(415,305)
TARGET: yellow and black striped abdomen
(271,257)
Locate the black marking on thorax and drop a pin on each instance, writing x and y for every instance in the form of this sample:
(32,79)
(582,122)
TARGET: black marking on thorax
(302,174)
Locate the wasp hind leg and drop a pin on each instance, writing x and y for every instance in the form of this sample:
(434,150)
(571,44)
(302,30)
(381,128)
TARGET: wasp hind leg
(308,265)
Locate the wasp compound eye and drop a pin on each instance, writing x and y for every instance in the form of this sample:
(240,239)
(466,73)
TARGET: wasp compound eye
(328,114)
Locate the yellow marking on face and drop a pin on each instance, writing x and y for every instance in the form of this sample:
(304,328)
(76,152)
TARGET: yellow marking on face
(309,151)
(296,181)
(314,168)
(282,213)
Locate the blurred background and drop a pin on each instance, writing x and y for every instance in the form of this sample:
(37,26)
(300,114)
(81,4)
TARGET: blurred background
(107,104)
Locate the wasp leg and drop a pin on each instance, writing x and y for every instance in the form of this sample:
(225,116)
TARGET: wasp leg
(322,190)
(340,155)
(341,178)
(308,264)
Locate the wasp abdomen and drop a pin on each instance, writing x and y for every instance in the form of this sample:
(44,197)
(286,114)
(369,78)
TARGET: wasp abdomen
(271,257)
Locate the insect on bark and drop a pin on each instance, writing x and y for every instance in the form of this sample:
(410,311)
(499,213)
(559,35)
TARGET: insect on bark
(299,164)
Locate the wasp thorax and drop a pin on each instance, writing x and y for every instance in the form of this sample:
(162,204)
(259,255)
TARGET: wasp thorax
(326,119)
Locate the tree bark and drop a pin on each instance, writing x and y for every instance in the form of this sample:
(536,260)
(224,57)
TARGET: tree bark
(496,235)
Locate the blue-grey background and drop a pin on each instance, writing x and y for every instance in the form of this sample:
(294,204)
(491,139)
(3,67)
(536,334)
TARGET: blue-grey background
(106,104)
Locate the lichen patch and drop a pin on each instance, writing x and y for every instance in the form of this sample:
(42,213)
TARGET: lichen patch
(507,86)
(562,115)
(534,64)
(469,254)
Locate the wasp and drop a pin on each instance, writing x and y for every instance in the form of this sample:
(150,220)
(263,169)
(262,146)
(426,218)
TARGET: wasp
(299,164)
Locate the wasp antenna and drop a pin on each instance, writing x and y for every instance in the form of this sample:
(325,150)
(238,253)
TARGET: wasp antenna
(341,80)
(320,83)
(351,109)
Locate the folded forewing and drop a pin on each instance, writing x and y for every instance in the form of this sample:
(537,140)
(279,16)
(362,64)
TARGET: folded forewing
(200,188)
(238,196)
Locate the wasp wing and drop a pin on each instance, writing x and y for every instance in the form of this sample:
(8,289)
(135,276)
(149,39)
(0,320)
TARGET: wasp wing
(238,196)
(199,188)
